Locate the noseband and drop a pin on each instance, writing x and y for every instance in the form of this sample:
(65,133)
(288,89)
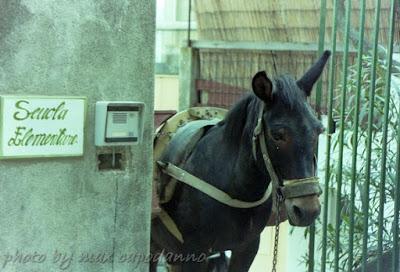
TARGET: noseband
(290,188)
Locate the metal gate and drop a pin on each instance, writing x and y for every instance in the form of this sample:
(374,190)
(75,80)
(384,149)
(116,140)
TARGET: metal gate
(362,158)
(359,100)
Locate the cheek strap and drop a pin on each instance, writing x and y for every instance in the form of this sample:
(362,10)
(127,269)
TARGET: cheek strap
(290,188)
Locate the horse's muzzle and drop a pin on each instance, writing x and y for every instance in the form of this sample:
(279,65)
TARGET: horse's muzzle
(303,211)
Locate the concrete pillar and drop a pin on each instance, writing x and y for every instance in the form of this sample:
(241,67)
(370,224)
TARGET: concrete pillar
(63,214)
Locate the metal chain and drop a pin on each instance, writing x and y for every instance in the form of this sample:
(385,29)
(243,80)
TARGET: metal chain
(279,200)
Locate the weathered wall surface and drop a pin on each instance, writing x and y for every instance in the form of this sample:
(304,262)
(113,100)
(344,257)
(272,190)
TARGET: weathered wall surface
(103,50)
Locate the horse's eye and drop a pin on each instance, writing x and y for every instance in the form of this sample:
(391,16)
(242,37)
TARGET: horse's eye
(278,135)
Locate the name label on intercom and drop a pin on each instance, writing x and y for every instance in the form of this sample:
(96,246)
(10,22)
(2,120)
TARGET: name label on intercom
(41,126)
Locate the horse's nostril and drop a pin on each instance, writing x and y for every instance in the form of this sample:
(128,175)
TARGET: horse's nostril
(298,211)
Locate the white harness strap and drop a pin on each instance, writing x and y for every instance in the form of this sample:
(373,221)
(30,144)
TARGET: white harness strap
(210,190)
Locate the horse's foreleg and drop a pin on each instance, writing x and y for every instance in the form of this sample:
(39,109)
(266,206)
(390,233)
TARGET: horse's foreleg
(242,257)
(190,266)
(193,260)
(155,253)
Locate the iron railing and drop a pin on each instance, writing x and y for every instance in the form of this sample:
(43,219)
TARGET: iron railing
(342,242)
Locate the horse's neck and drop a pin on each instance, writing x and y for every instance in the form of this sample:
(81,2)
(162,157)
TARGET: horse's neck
(250,178)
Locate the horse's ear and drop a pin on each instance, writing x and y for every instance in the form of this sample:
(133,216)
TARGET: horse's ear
(311,76)
(262,87)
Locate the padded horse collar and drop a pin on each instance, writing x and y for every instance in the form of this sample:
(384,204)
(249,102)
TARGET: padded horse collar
(290,188)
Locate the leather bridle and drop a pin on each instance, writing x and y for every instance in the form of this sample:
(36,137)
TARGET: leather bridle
(290,188)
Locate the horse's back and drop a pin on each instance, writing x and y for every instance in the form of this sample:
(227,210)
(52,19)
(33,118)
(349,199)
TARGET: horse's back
(178,150)
(176,138)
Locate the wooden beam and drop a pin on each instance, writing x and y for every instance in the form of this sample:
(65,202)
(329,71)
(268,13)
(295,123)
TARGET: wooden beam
(189,71)
(259,46)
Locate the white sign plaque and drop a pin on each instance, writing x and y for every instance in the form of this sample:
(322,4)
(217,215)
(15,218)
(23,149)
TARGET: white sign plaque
(41,126)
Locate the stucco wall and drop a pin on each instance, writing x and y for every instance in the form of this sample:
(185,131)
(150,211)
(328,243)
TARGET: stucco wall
(103,50)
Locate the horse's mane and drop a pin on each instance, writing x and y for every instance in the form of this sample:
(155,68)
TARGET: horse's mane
(242,118)
(238,118)
(288,92)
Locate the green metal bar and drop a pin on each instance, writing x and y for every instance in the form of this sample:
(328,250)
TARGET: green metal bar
(322,23)
(339,174)
(384,138)
(395,254)
(369,139)
(332,70)
(355,137)
(321,43)
(311,248)
(189,24)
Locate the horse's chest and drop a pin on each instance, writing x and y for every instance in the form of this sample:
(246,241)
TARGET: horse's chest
(237,228)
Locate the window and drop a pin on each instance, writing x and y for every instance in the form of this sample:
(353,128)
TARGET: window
(171,33)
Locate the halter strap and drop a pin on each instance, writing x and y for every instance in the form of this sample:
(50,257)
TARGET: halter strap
(257,131)
(291,188)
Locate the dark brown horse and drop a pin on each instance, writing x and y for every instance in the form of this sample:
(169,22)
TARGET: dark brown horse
(224,157)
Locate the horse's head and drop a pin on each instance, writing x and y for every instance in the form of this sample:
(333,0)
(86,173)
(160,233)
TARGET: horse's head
(291,133)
